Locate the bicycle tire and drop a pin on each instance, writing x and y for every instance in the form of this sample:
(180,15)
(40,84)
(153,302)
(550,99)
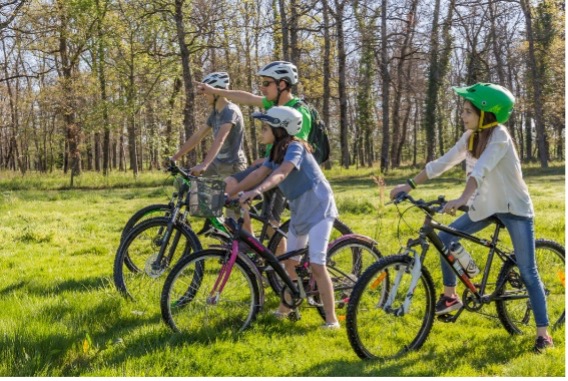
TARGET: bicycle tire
(346,262)
(374,331)
(273,280)
(184,302)
(150,211)
(142,280)
(516,315)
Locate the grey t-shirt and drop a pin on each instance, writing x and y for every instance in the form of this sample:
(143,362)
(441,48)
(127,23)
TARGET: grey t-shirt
(232,150)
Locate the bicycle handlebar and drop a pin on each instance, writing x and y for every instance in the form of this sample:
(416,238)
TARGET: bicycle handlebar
(430,207)
(175,169)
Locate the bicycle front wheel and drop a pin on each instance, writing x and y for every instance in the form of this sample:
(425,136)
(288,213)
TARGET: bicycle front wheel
(514,308)
(138,268)
(146,213)
(378,326)
(189,304)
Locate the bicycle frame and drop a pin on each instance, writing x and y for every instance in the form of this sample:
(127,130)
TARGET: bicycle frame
(239,234)
(427,234)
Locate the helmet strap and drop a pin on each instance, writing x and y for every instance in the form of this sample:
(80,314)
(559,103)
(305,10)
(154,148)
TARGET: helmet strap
(480,127)
(279,92)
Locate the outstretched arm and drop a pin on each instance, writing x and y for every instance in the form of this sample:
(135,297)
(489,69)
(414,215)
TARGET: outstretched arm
(237,96)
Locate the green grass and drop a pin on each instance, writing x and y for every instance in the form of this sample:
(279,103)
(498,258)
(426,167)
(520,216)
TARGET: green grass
(61,316)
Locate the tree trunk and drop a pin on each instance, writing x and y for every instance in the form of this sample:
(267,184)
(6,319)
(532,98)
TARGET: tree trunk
(541,135)
(188,110)
(385,79)
(433,86)
(398,136)
(72,128)
(496,42)
(528,136)
(293,25)
(285,30)
(131,122)
(326,73)
(103,88)
(342,85)
(364,120)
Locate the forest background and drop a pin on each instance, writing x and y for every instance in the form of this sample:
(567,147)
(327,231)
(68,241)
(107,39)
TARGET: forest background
(96,92)
(106,85)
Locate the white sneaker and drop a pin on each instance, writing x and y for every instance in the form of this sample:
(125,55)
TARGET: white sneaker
(331,326)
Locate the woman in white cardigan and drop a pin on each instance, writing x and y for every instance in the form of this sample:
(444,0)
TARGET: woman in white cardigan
(494,187)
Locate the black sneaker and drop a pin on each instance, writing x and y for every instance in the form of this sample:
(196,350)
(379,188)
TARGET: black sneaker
(445,304)
(542,343)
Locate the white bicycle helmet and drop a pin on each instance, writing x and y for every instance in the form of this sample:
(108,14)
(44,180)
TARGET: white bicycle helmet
(219,80)
(282,116)
(280,70)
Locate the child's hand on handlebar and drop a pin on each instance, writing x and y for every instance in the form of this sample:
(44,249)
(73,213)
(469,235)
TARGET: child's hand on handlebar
(453,205)
(405,188)
(198,169)
(249,196)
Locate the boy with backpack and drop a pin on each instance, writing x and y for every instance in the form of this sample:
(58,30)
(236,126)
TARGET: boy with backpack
(277,79)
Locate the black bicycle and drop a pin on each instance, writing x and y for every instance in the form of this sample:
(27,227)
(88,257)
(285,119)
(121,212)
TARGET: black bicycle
(391,309)
(150,245)
(219,291)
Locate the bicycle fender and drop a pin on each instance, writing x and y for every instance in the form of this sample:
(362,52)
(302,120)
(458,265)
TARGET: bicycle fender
(346,237)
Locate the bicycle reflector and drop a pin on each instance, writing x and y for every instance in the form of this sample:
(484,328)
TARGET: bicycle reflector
(379,280)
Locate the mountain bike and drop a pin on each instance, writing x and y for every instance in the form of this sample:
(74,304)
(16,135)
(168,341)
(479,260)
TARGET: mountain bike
(213,227)
(151,246)
(218,291)
(391,309)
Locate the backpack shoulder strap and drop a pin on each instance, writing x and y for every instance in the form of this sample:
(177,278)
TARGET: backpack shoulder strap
(299,104)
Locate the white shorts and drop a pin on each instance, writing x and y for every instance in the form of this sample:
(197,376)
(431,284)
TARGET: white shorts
(318,237)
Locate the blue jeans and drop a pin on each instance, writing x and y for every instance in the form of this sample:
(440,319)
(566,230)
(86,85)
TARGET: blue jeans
(521,230)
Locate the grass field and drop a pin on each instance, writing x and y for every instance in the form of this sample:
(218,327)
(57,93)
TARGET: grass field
(61,316)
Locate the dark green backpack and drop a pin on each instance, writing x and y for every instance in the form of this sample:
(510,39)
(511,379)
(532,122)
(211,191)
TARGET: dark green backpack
(318,134)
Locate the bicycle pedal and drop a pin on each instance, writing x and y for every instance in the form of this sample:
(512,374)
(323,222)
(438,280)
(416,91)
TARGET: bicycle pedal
(313,303)
(446,318)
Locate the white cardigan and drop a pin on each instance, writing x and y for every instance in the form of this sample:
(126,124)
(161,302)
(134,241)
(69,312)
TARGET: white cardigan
(500,184)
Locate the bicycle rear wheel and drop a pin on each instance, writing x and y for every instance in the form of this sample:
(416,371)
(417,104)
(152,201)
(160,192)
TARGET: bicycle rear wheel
(339,229)
(346,262)
(515,311)
(187,304)
(138,274)
(376,326)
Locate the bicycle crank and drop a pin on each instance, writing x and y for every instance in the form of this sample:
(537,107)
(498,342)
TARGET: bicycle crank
(288,298)
(470,302)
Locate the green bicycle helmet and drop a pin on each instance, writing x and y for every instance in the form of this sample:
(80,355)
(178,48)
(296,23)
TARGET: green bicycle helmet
(489,97)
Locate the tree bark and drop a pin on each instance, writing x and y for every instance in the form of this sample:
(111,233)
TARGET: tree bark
(385,79)
(433,86)
(285,30)
(342,85)
(541,135)
(188,109)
